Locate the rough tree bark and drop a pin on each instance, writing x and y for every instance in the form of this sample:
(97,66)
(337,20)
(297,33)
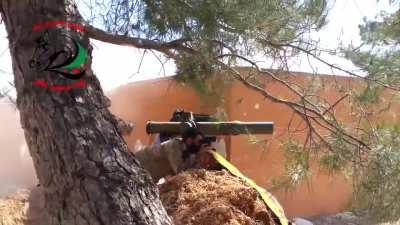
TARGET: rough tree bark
(80,158)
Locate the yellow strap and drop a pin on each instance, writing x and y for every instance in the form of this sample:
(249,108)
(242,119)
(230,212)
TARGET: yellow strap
(267,197)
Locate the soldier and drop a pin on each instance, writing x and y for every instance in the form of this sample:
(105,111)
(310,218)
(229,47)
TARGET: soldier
(172,156)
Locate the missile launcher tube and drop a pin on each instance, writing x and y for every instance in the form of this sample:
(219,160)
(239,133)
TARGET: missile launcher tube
(212,128)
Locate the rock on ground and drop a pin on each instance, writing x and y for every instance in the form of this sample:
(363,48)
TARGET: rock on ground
(346,218)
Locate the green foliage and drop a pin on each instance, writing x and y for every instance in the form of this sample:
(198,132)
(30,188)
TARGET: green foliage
(194,72)
(384,30)
(381,64)
(297,161)
(332,162)
(378,178)
(196,67)
(296,166)
(209,19)
(213,28)
(379,183)
(204,78)
(298,158)
(369,95)
(340,153)
(379,55)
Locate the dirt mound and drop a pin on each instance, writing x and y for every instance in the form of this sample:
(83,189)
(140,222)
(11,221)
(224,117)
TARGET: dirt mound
(201,197)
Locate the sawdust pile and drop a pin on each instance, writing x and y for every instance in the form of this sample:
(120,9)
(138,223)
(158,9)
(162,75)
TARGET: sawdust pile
(201,197)
(26,207)
(13,208)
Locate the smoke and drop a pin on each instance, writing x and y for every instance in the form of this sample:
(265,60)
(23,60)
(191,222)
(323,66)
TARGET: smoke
(16,166)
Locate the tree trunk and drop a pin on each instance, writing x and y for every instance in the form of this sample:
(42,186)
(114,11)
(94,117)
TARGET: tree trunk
(80,157)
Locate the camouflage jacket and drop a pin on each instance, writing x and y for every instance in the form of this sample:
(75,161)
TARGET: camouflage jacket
(165,159)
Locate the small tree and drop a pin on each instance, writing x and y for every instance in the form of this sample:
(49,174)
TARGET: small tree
(379,57)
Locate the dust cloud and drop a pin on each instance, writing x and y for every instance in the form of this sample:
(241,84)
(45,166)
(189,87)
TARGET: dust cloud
(16,166)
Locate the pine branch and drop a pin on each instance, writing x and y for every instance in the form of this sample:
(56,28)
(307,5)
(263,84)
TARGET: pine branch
(168,48)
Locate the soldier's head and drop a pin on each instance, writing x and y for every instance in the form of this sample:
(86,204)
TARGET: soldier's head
(192,138)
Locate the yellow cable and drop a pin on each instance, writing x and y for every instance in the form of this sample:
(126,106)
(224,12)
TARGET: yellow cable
(267,197)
